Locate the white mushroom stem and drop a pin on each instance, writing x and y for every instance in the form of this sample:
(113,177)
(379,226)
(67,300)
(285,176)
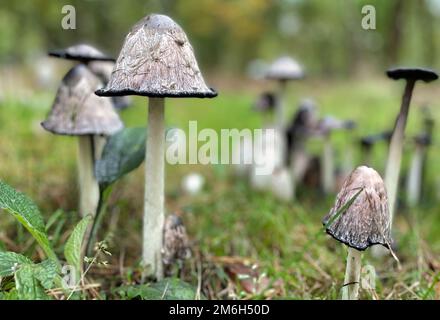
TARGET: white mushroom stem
(328,170)
(414,183)
(350,290)
(396,147)
(281,108)
(154,215)
(88,186)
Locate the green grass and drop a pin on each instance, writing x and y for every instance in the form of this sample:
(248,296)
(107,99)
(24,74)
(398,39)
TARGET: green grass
(229,219)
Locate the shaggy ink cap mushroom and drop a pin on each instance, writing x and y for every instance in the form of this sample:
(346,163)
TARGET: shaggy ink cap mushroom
(157,60)
(78,111)
(285,68)
(367,221)
(104,69)
(81,52)
(414,74)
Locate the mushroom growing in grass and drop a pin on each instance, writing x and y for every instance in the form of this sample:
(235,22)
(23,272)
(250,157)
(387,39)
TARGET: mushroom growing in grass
(77,111)
(325,128)
(297,133)
(415,176)
(156,61)
(359,219)
(367,143)
(98,62)
(410,75)
(283,69)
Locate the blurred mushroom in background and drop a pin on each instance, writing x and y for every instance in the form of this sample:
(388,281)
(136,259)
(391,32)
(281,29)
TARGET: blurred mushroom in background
(77,111)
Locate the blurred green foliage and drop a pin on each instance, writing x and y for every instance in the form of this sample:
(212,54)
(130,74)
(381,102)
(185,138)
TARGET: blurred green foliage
(325,35)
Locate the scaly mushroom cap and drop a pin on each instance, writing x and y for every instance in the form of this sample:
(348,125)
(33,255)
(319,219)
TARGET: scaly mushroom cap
(78,111)
(367,221)
(104,69)
(414,74)
(81,52)
(157,60)
(285,68)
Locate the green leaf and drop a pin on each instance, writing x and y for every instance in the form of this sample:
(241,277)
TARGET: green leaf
(166,289)
(72,249)
(27,284)
(11,261)
(46,272)
(123,152)
(27,213)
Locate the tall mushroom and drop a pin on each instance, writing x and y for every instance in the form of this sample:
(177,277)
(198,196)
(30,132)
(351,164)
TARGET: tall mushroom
(98,62)
(157,61)
(283,69)
(411,75)
(77,111)
(361,224)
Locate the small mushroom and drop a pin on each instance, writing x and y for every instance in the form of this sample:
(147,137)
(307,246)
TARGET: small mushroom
(283,69)
(361,224)
(297,133)
(98,62)
(156,61)
(419,159)
(77,111)
(367,143)
(325,127)
(176,248)
(410,75)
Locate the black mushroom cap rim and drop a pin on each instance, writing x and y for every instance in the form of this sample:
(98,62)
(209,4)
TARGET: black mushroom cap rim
(153,94)
(81,52)
(157,60)
(426,75)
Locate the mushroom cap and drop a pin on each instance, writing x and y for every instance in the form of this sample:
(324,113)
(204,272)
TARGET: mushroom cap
(414,74)
(78,111)
(104,69)
(329,123)
(373,138)
(81,52)
(285,68)
(367,221)
(423,139)
(157,60)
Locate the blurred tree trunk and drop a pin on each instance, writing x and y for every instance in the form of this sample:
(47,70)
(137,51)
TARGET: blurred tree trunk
(426,20)
(395,27)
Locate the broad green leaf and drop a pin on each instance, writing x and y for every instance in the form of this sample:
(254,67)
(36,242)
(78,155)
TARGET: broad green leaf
(46,272)
(123,152)
(27,213)
(11,261)
(166,289)
(72,249)
(27,284)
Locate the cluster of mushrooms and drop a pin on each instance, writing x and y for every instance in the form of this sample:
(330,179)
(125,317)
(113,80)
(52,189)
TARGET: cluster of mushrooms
(158,62)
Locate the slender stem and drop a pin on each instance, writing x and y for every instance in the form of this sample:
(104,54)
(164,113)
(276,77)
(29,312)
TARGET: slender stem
(350,291)
(328,170)
(88,186)
(154,190)
(414,183)
(396,147)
